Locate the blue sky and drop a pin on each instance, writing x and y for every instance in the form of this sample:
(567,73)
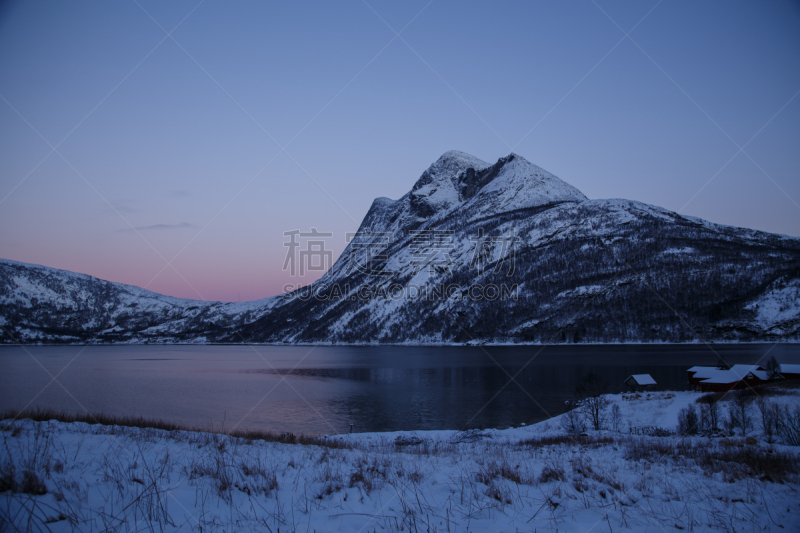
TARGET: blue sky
(255,118)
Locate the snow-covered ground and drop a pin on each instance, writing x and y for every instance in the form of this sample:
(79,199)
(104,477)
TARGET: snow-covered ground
(535,478)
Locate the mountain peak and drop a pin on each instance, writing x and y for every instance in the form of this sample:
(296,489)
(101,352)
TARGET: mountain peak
(448,168)
(512,182)
(515,183)
(457,159)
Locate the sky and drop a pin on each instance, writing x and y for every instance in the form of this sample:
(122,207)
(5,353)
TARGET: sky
(170,145)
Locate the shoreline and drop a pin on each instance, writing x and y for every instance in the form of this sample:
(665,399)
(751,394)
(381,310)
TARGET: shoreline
(64,476)
(413,344)
(664,414)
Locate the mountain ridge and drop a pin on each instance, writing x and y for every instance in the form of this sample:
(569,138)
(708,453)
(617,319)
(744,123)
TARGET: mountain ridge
(577,270)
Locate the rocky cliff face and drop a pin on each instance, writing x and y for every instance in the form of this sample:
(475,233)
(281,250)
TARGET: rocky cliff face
(475,252)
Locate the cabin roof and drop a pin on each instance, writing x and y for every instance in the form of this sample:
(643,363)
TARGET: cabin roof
(742,370)
(641,379)
(704,371)
(734,374)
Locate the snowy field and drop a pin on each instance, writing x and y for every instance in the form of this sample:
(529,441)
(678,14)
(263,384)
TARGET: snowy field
(79,477)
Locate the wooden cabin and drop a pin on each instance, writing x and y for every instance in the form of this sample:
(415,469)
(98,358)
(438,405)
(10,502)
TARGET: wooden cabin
(640,382)
(715,379)
(789,371)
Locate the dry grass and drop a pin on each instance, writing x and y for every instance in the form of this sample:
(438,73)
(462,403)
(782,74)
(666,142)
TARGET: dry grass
(44,415)
(427,447)
(555,440)
(264,486)
(249,435)
(551,473)
(502,469)
(736,459)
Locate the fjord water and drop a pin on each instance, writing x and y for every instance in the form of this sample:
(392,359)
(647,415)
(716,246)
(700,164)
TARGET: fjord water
(323,389)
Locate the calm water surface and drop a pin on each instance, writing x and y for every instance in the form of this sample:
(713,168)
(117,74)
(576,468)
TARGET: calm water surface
(322,390)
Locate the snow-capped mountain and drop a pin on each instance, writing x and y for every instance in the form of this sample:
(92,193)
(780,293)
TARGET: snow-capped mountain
(503,252)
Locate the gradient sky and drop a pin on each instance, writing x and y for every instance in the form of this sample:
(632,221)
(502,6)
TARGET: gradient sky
(181,139)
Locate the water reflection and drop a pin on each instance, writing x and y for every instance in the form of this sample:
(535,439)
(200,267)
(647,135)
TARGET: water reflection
(321,390)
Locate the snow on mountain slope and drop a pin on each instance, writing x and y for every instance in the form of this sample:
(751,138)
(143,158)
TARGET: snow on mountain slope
(778,306)
(563,241)
(557,266)
(441,187)
(39,303)
(519,184)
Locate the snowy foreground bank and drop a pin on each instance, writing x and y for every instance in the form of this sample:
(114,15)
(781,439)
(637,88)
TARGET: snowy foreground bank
(64,477)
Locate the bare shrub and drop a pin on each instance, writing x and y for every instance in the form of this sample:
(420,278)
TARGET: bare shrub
(616,418)
(772,366)
(709,412)
(688,421)
(572,423)
(741,404)
(770,418)
(789,426)
(709,417)
(590,393)
(731,421)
